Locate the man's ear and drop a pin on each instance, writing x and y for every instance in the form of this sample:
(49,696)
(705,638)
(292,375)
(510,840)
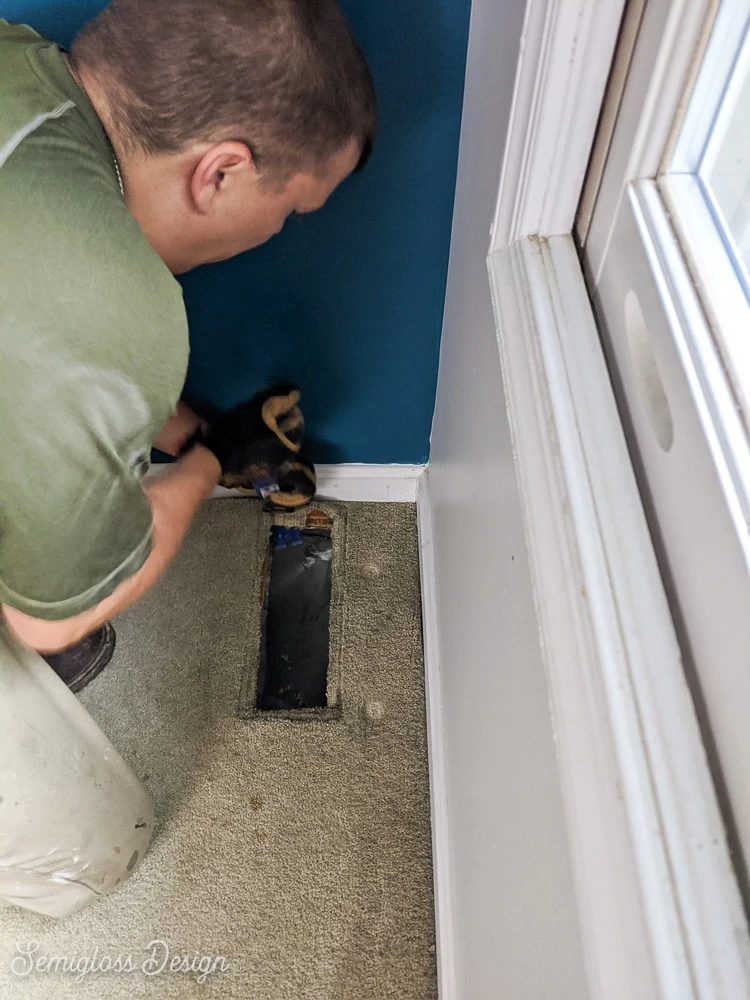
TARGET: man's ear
(216,171)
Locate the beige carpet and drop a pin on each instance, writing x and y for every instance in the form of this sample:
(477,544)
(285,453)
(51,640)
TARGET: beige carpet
(298,852)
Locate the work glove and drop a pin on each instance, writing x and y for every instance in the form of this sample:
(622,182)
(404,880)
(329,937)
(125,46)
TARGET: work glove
(258,446)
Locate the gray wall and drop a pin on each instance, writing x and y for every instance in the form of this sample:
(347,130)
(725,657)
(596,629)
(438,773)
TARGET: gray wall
(516,933)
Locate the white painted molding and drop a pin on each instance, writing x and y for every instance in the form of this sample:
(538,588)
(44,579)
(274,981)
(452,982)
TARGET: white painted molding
(564,61)
(665,58)
(374,483)
(660,911)
(362,483)
(444,928)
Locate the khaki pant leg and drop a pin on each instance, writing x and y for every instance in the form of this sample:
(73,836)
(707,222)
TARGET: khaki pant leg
(75,821)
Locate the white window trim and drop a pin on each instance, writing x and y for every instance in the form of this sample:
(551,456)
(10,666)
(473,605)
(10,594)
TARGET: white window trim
(666,59)
(716,279)
(660,910)
(566,55)
(656,212)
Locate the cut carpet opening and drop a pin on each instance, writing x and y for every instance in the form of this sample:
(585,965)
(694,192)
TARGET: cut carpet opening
(296,616)
(293,671)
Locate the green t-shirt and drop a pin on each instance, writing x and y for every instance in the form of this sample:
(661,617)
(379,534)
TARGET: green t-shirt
(93,345)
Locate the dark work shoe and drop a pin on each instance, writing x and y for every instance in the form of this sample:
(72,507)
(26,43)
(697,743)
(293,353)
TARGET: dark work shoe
(80,663)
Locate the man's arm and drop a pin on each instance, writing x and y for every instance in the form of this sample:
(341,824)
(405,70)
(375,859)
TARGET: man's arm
(174,497)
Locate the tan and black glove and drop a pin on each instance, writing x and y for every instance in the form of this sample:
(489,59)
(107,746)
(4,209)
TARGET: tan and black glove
(258,446)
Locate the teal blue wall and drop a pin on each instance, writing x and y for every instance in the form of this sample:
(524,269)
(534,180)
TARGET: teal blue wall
(347,302)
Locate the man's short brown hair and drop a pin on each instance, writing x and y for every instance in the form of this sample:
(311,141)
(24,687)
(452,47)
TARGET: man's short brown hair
(285,77)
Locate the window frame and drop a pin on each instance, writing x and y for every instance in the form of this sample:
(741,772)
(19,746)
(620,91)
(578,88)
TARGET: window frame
(589,554)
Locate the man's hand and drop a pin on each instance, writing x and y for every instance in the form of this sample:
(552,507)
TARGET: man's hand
(180,426)
(258,447)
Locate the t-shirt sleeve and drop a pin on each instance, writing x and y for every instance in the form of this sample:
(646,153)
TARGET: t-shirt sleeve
(74,519)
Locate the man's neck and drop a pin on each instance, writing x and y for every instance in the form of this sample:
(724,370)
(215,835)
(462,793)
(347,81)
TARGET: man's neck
(92,91)
(144,180)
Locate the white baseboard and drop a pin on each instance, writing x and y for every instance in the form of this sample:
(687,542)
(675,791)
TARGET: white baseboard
(353,482)
(446,962)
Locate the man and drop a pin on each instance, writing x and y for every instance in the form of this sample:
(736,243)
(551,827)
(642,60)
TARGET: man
(171,135)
